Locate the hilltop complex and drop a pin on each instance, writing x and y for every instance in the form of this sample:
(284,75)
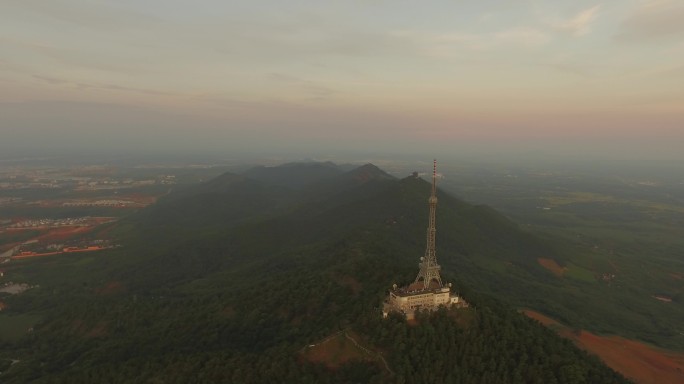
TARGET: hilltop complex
(427,292)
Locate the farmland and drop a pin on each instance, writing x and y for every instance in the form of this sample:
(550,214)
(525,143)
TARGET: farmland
(638,361)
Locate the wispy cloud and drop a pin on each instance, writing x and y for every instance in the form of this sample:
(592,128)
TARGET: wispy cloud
(101,61)
(524,36)
(309,88)
(9,66)
(450,43)
(653,20)
(579,24)
(571,68)
(50,80)
(100,86)
(91,14)
(675,71)
(440,44)
(273,42)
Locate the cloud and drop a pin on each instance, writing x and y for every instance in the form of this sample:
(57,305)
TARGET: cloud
(654,20)
(100,86)
(436,44)
(525,36)
(578,25)
(310,88)
(677,71)
(447,44)
(90,14)
(51,80)
(272,40)
(571,68)
(9,66)
(102,61)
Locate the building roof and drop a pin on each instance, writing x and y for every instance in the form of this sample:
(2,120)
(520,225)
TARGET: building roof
(416,288)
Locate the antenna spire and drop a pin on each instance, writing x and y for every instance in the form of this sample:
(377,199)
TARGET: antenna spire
(434,178)
(429,269)
(427,291)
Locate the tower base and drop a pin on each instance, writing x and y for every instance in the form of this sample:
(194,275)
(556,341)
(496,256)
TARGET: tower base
(409,300)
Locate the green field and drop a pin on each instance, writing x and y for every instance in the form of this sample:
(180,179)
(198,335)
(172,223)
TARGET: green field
(622,243)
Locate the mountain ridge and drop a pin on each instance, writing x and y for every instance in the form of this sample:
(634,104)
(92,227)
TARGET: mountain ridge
(238,297)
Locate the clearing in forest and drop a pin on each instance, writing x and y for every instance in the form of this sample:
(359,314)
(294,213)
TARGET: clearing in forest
(640,362)
(552,266)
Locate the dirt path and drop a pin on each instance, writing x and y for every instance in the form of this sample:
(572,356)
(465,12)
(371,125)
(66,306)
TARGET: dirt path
(372,354)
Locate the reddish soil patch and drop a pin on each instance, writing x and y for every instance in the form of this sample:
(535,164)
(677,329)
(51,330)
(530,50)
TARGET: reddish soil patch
(228,312)
(334,351)
(638,361)
(111,288)
(98,330)
(412,322)
(545,320)
(61,234)
(463,317)
(79,328)
(103,220)
(676,276)
(33,254)
(552,266)
(140,199)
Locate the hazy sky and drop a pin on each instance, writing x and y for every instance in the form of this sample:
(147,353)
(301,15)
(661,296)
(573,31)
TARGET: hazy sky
(564,75)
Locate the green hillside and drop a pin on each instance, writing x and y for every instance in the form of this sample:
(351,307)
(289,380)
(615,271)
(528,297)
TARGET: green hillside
(231,281)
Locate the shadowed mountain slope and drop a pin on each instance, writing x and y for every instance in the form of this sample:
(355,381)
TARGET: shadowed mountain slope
(294,175)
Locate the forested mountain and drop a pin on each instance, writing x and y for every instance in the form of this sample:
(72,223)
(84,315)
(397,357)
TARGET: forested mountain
(294,175)
(233,280)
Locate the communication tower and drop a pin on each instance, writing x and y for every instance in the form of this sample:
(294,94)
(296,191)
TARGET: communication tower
(427,291)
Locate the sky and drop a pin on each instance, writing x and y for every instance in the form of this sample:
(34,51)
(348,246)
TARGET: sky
(566,76)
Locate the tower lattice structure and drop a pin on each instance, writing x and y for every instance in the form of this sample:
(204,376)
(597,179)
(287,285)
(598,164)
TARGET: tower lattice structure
(429,269)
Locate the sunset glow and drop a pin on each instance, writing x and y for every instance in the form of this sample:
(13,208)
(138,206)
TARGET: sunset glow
(271,74)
